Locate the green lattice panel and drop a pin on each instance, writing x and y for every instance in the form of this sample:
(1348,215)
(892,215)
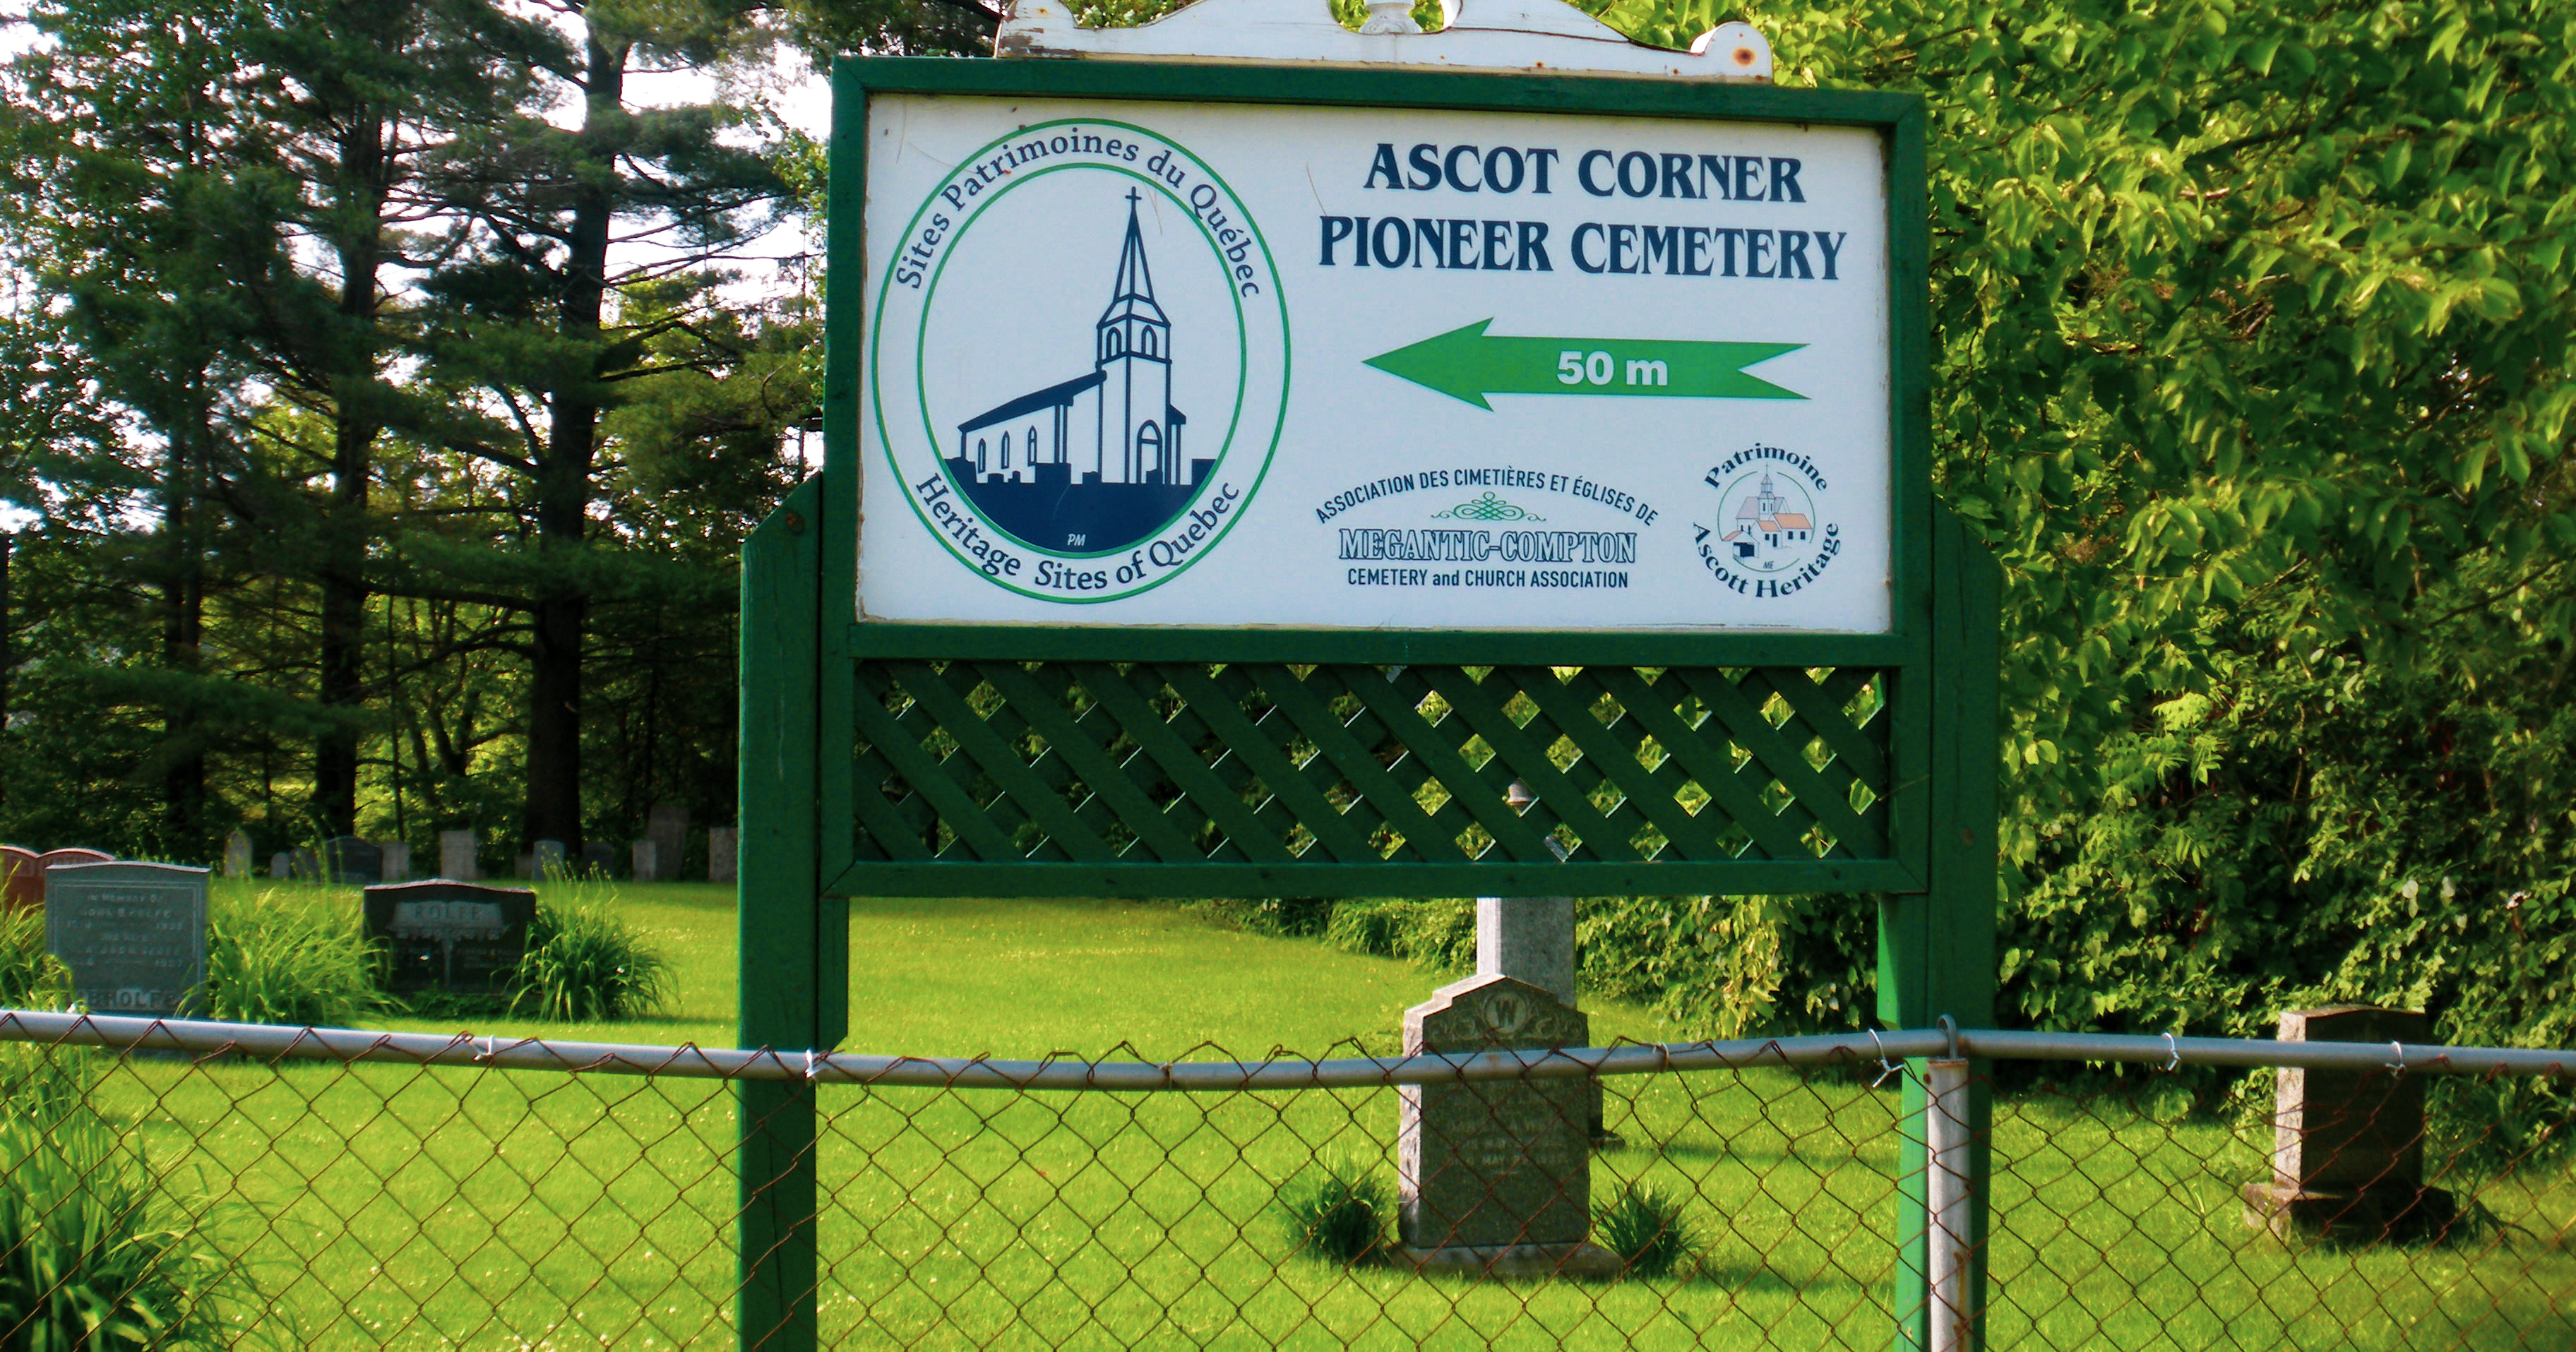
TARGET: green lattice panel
(1185,765)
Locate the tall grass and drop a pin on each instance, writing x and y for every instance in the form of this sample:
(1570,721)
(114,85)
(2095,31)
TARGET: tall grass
(95,1252)
(585,963)
(1339,1210)
(286,957)
(30,976)
(1645,1225)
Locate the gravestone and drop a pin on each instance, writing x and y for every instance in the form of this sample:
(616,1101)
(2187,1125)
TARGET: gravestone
(546,859)
(22,878)
(396,855)
(1532,938)
(598,858)
(351,860)
(456,859)
(237,854)
(648,860)
(281,865)
(720,850)
(72,856)
(1495,1176)
(133,935)
(449,936)
(2348,1145)
(667,827)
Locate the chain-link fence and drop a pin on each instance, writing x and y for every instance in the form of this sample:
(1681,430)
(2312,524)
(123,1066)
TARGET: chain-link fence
(186,1184)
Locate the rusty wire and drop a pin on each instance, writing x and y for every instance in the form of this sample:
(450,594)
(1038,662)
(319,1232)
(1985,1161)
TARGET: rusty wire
(378,1189)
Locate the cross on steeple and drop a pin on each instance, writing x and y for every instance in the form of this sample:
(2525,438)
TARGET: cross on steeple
(1134,280)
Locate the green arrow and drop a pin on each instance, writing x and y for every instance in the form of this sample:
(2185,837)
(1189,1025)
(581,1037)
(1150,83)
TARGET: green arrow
(1466,364)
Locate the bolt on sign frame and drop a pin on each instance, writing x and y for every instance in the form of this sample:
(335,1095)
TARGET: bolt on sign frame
(930,759)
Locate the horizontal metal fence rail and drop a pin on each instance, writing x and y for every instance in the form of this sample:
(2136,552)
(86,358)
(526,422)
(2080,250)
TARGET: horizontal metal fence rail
(691,1062)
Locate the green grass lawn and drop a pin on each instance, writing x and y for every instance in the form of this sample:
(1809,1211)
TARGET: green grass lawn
(460,1208)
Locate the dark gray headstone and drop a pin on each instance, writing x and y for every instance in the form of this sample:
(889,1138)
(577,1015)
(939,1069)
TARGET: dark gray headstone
(720,853)
(1495,1163)
(396,855)
(133,935)
(2348,1145)
(281,865)
(237,854)
(598,858)
(456,856)
(351,860)
(667,828)
(450,936)
(545,859)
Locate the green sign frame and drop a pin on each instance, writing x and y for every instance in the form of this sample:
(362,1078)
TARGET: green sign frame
(819,742)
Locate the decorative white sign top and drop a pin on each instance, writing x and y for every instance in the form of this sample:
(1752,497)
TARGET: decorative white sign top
(1513,35)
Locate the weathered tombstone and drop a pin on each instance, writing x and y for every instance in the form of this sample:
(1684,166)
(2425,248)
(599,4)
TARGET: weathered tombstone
(237,854)
(450,936)
(22,878)
(456,859)
(133,935)
(1532,938)
(1495,1175)
(546,859)
(351,860)
(2348,1145)
(648,860)
(72,856)
(598,858)
(667,827)
(281,865)
(396,857)
(720,852)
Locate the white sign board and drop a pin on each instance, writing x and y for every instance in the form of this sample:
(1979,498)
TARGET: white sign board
(1254,365)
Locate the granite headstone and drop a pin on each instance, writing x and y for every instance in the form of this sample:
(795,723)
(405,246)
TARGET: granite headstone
(598,859)
(237,854)
(720,853)
(1495,1176)
(648,860)
(22,878)
(2348,1145)
(667,827)
(545,859)
(72,856)
(396,857)
(450,936)
(281,865)
(456,858)
(133,935)
(348,859)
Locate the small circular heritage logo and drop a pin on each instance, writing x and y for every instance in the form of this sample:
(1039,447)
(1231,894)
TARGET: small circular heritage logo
(1079,360)
(1772,535)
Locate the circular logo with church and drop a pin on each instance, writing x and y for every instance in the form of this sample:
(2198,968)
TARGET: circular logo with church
(1078,363)
(1771,536)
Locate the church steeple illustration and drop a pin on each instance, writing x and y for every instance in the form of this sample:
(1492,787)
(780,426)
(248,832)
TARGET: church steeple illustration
(1135,352)
(1095,463)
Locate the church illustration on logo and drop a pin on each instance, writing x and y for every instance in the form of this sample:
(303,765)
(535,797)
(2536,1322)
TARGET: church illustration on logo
(1764,526)
(1095,463)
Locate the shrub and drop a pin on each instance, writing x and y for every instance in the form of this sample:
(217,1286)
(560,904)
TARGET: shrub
(585,965)
(1339,1211)
(281,959)
(94,1251)
(30,976)
(1645,1226)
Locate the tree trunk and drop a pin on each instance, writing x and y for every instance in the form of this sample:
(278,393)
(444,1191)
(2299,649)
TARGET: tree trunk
(563,481)
(360,197)
(183,633)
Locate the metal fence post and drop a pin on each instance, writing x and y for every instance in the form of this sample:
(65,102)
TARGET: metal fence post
(1936,947)
(780,919)
(1950,1223)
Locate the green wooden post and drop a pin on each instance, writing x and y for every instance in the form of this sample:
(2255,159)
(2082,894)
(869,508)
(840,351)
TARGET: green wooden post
(781,920)
(1936,948)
